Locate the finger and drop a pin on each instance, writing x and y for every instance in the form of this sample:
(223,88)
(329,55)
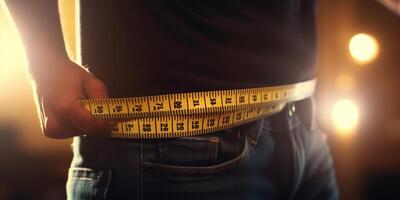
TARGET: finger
(74,113)
(95,89)
(54,127)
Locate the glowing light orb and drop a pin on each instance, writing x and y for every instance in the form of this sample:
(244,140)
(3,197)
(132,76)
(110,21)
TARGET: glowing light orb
(363,48)
(345,116)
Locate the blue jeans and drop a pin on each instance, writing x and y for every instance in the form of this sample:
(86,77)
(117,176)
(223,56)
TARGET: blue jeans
(278,157)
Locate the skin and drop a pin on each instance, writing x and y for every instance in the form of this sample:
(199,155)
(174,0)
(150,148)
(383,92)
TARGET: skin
(393,5)
(60,83)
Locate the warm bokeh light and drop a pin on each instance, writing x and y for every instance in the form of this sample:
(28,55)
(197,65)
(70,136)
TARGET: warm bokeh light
(11,51)
(345,116)
(345,82)
(12,59)
(17,106)
(363,48)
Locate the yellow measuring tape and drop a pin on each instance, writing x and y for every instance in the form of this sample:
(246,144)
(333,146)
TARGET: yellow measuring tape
(193,113)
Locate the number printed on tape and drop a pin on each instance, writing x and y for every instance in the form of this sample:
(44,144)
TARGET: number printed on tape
(194,113)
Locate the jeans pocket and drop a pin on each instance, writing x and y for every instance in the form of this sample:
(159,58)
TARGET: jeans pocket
(222,154)
(86,183)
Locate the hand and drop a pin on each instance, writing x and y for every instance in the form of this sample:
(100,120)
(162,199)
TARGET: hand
(59,90)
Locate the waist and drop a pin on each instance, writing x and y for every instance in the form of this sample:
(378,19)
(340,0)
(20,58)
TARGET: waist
(195,113)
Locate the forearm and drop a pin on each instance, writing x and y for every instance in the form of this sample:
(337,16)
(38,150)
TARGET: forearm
(39,26)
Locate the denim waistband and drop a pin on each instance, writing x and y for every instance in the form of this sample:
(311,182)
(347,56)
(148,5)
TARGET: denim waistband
(96,149)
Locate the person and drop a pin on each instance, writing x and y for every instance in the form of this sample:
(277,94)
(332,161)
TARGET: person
(142,48)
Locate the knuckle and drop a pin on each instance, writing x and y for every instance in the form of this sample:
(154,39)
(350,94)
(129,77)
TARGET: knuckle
(64,105)
(49,134)
(98,86)
(85,127)
(81,123)
(51,130)
(89,126)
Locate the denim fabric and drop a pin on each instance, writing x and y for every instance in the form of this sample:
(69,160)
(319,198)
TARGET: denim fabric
(278,157)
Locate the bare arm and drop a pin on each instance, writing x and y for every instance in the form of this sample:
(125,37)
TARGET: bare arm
(393,5)
(40,29)
(60,82)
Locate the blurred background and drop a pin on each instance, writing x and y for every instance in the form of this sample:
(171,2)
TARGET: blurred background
(357,98)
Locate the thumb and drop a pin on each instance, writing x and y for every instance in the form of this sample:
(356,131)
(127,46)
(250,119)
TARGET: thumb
(94,88)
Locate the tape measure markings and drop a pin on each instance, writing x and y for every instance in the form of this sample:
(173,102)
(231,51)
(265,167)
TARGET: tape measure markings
(180,126)
(193,113)
(196,102)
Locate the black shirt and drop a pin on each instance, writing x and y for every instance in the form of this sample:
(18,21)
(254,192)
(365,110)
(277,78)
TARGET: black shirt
(148,47)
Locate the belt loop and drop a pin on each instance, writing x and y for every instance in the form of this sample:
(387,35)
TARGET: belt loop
(306,112)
